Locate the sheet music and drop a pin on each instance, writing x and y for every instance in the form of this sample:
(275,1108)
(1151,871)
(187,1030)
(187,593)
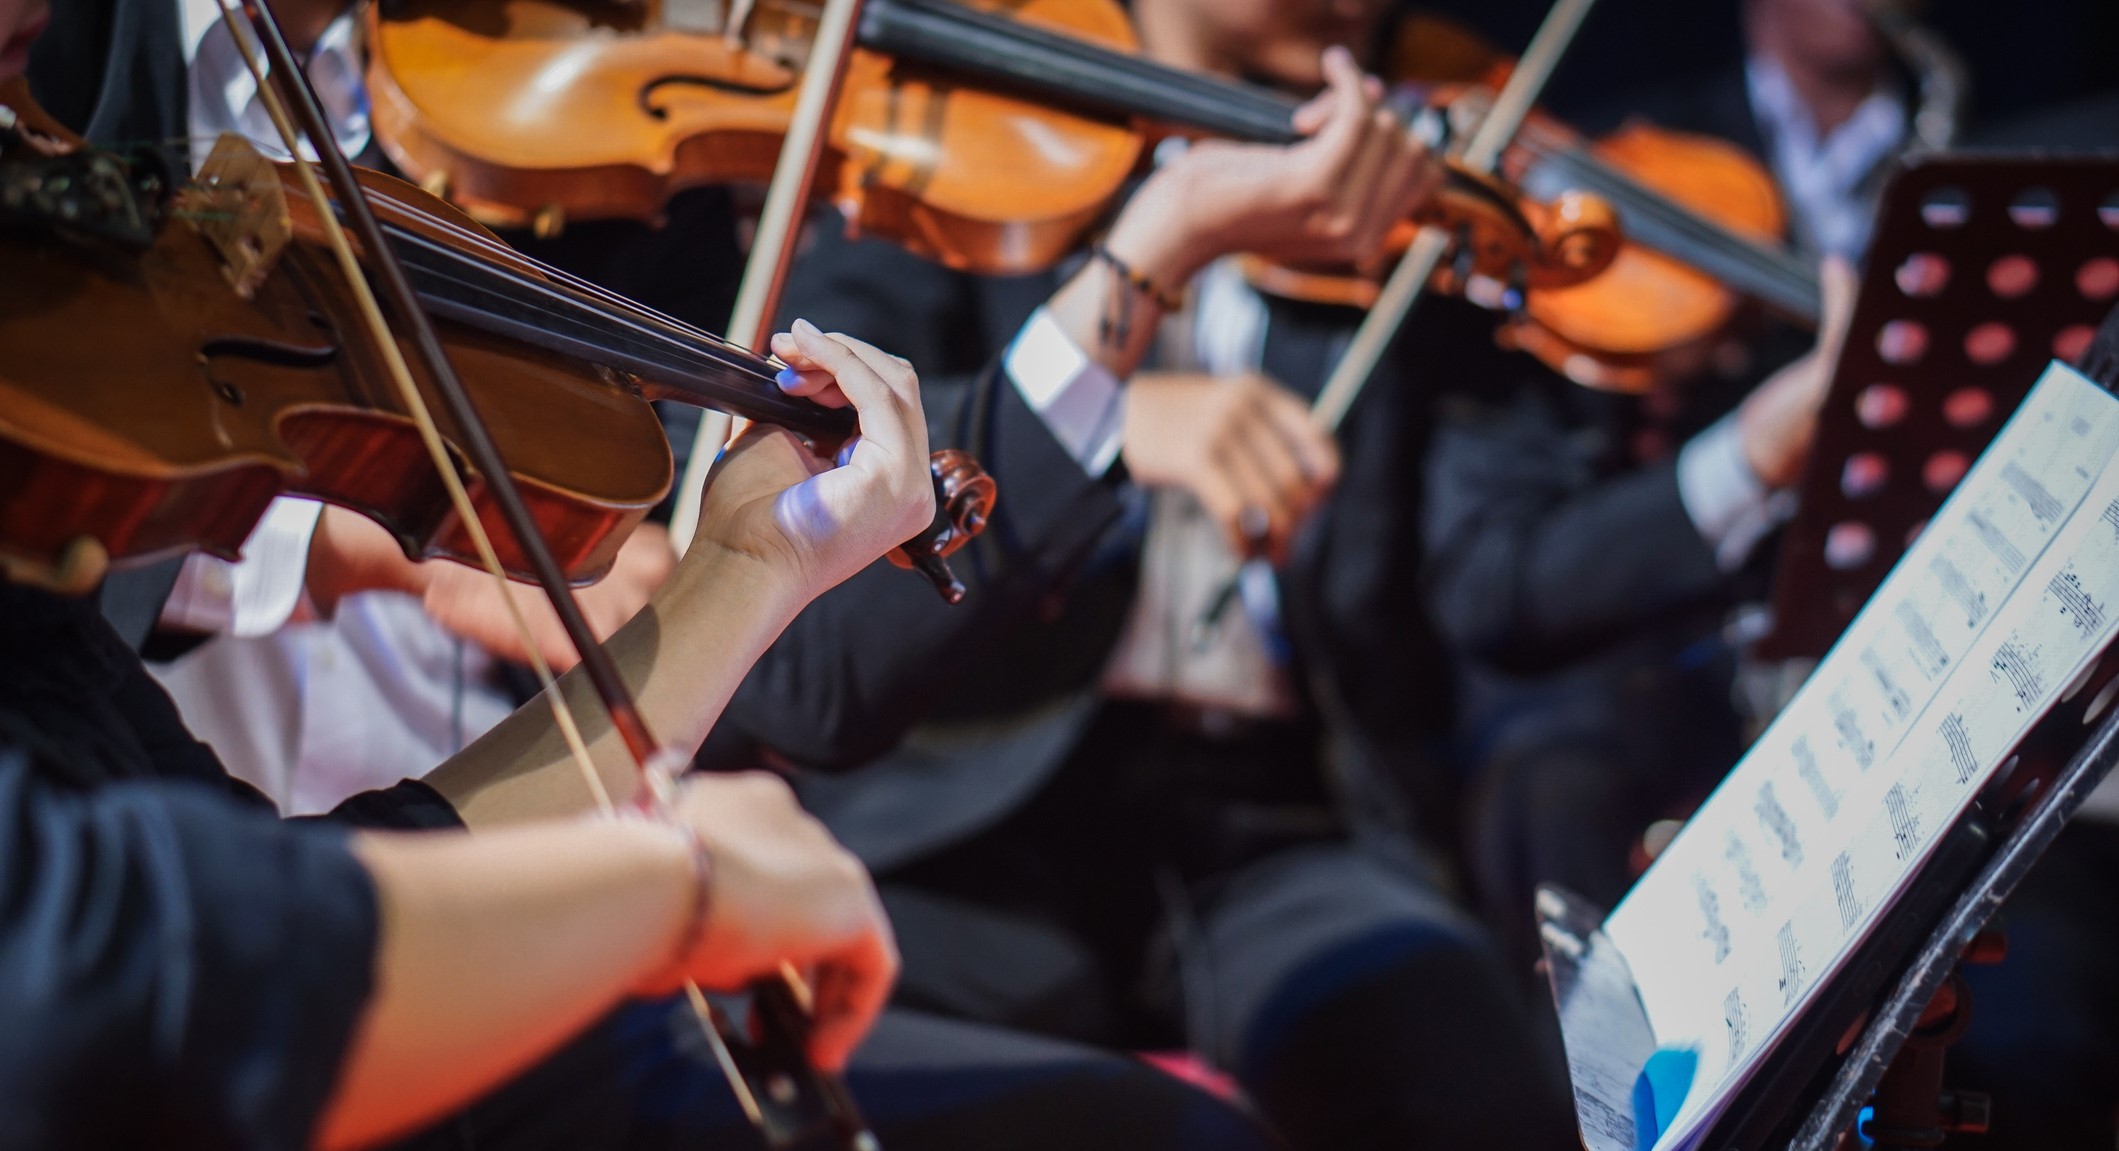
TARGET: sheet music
(1984,622)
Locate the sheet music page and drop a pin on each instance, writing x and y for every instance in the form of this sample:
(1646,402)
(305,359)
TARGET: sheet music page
(1999,604)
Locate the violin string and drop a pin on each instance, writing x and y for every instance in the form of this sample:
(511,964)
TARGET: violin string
(1089,71)
(423,419)
(491,244)
(1688,235)
(672,350)
(1628,192)
(503,252)
(1769,263)
(704,348)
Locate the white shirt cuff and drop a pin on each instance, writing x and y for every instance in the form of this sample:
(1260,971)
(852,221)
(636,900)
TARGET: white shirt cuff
(257,594)
(1726,501)
(1077,398)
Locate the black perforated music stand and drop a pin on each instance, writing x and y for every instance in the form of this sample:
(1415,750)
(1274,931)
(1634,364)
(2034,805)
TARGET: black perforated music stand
(1983,268)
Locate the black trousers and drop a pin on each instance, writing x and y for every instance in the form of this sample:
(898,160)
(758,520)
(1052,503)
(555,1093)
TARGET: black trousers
(642,1081)
(1567,772)
(1170,890)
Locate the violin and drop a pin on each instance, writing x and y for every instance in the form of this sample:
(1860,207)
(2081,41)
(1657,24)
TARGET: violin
(989,138)
(175,358)
(234,375)
(1702,221)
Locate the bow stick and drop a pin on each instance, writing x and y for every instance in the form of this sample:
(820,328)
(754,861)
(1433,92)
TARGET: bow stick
(1408,282)
(779,227)
(777,1087)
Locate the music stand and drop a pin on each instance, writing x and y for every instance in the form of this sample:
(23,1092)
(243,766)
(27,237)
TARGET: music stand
(1817,1088)
(1983,268)
(1829,1066)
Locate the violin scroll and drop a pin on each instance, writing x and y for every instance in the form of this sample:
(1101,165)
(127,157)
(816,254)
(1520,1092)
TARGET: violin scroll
(963,504)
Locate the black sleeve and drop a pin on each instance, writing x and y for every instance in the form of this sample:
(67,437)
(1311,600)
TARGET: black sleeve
(1537,553)
(871,658)
(175,970)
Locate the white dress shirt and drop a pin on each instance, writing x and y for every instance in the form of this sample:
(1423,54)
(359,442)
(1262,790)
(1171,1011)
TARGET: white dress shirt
(309,710)
(224,95)
(1725,500)
(1080,403)
(1184,559)
(1830,179)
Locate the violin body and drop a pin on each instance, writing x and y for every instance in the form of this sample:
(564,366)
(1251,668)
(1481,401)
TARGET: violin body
(1649,317)
(177,408)
(532,112)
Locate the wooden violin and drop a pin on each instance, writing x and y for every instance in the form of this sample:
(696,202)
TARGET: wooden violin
(986,137)
(1702,221)
(174,359)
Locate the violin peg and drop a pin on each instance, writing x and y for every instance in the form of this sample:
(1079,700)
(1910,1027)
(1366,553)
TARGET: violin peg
(963,505)
(549,221)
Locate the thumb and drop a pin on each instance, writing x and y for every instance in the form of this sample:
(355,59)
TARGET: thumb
(1839,286)
(1335,113)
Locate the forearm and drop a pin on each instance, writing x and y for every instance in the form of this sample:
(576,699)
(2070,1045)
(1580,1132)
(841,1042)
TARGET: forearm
(681,657)
(1115,322)
(493,951)
(1530,584)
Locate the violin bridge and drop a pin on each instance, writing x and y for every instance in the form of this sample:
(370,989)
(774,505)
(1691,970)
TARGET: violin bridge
(238,205)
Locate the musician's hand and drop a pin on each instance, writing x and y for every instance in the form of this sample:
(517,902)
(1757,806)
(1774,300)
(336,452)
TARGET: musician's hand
(783,890)
(466,601)
(1244,446)
(771,498)
(20,23)
(1329,198)
(1778,421)
(351,553)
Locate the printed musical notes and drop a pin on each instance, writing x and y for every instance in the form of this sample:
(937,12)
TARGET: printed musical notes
(2017,669)
(2075,601)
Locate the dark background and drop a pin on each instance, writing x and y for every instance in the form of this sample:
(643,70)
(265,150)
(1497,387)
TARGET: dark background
(2024,55)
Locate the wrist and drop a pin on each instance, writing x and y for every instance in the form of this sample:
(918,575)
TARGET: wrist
(1154,234)
(351,553)
(769,588)
(694,863)
(1756,447)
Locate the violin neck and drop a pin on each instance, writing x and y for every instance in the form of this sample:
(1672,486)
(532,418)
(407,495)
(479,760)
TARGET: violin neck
(1088,78)
(570,318)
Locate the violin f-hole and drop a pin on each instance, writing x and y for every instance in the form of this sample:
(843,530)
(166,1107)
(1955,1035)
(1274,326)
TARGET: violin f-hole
(267,352)
(657,111)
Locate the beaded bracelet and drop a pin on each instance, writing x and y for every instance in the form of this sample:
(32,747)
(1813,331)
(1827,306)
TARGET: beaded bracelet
(702,889)
(1116,326)
(1169,300)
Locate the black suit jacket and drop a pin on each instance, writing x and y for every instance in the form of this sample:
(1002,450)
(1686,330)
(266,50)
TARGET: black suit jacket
(113,70)
(956,715)
(1550,545)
